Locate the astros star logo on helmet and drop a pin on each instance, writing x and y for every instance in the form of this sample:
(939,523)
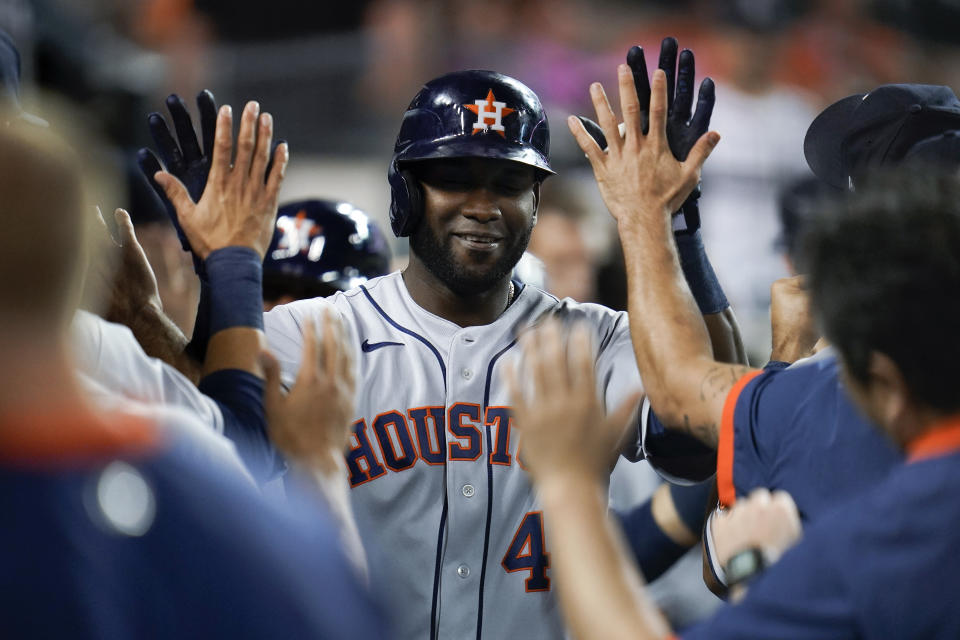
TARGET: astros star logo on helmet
(490,114)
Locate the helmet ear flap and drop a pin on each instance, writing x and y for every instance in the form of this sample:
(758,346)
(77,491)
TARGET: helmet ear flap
(406,203)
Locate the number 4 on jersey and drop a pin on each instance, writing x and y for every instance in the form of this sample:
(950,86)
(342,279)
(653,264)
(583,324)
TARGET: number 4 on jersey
(526,553)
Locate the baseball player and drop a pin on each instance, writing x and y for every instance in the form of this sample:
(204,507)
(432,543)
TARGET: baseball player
(321,247)
(111,365)
(435,464)
(755,445)
(437,478)
(433,461)
(881,565)
(114,529)
(754,418)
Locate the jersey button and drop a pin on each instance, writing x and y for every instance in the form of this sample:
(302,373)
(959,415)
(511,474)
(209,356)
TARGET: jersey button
(466,373)
(468,490)
(463,571)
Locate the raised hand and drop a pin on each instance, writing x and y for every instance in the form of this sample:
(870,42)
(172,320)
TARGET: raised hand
(311,424)
(134,283)
(564,428)
(638,175)
(683,127)
(182,156)
(239,201)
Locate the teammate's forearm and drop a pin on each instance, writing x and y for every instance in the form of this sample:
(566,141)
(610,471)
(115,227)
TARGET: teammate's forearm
(656,532)
(709,296)
(725,337)
(161,338)
(667,329)
(239,394)
(685,384)
(602,595)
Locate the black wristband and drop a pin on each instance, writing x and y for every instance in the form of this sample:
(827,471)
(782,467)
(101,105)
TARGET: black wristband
(652,549)
(236,288)
(699,273)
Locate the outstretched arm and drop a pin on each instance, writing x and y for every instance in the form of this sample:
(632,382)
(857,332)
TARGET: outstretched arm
(684,126)
(662,529)
(567,438)
(642,184)
(311,424)
(229,228)
(134,300)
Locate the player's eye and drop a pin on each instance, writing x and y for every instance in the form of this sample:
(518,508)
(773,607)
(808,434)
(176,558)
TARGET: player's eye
(449,180)
(455,182)
(512,187)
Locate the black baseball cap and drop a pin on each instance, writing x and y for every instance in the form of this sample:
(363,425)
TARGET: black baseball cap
(867,130)
(941,152)
(10,81)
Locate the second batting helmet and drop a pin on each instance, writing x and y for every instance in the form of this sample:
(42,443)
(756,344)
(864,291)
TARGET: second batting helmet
(466,114)
(320,247)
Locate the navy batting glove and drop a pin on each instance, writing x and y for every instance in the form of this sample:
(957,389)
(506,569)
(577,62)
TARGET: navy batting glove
(182,156)
(683,128)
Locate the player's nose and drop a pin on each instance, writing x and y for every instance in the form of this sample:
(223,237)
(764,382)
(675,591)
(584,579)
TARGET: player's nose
(481,206)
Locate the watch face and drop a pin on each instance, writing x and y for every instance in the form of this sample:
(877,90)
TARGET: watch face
(744,565)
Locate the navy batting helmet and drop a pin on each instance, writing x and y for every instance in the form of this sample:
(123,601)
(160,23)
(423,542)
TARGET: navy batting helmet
(320,247)
(466,114)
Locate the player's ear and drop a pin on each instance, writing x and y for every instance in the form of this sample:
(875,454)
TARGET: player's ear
(888,391)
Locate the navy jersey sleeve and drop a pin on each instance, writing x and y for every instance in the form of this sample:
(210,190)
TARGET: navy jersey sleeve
(757,415)
(793,430)
(239,394)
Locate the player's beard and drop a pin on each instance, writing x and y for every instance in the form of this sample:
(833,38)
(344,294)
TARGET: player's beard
(439,260)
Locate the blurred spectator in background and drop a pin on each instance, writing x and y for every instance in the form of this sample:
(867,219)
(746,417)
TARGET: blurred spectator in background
(839,46)
(560,241)
(762,123)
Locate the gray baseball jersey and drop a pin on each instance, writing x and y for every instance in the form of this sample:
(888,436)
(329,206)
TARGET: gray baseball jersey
(438,486)
(110,361)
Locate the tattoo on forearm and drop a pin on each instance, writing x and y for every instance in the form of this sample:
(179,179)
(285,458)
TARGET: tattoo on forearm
(719,379)
(716,383)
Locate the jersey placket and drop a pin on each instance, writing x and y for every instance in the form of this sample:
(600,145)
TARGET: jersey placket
(466,483)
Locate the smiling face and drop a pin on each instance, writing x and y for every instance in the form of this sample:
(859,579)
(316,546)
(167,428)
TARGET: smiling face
(478,215)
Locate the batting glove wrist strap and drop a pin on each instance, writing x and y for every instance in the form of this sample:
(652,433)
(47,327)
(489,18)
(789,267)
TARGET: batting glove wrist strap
(236,288)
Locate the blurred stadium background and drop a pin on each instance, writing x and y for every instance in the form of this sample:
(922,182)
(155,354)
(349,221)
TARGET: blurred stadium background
(337,76)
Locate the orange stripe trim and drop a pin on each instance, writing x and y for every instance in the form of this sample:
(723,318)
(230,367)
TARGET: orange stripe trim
(941,439)
(725,488)
(65,436)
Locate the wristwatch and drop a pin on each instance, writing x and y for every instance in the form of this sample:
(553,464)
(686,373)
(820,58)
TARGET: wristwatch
(744,566)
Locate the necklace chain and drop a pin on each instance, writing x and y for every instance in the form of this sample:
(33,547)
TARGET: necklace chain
(510,294)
